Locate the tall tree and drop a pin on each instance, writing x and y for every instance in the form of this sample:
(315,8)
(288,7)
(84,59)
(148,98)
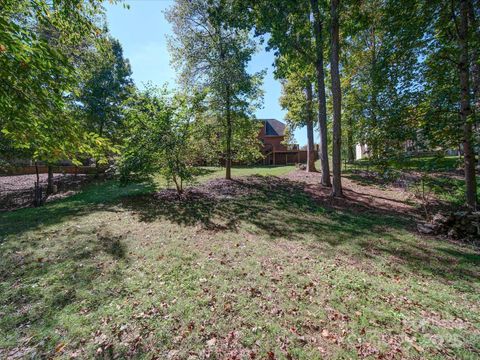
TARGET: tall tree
(449,73)
(290,36)
(212,53)
(381,74)
(322,101)
(465,104)
(336,98)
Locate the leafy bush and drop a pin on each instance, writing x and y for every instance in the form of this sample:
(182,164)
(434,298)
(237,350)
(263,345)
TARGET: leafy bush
(158,137)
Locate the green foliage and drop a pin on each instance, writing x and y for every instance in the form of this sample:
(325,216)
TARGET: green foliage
(441,102)
(158,137)
(380,74)
(293,99)
(38,75)
(106,84)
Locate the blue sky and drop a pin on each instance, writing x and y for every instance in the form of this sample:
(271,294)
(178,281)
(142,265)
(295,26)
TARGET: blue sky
(142,31)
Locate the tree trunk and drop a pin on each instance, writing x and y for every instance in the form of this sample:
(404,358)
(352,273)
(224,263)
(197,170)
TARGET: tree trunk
(350,145)
(475,70)
(228,157)
(337,101)
(97,168)
(36,172)
(475,62)
(465,110)
(322,102)
(37,195)
(310,137)
(50,180)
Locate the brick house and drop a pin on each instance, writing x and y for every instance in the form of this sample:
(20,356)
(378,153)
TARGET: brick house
(274,151)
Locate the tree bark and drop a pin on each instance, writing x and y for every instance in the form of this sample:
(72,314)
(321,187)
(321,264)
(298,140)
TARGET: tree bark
(50,180)
(322,102)
(310,137)
(337,100)
(475,60)
(465,109)
(228,155)
(350,145)
(37,199)
(475,69)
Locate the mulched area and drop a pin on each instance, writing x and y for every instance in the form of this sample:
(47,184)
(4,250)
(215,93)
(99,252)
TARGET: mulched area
(215,189)
(17,191)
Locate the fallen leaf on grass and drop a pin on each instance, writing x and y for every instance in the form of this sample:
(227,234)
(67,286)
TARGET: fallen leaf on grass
(59,347)
(418,347)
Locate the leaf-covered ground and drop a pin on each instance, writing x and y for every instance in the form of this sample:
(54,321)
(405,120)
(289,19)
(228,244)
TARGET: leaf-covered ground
(267,267)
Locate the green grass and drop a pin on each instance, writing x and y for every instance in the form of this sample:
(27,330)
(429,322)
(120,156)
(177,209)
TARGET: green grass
(111,272)
(424,163)
(212,172)
(448,187)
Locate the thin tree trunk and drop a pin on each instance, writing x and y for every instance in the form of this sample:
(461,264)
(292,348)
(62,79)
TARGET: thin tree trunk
(36,172)
(228,159)
(322,102)
(310,137)
(97,169)
(475,70)
(337,101)
(50,180)
(465,110)
(350,145)
(475,61)
(37,195)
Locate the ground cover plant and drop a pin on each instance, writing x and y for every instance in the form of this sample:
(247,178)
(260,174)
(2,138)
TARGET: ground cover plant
(264,266)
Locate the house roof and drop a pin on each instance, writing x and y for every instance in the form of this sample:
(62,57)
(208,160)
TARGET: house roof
(273,127)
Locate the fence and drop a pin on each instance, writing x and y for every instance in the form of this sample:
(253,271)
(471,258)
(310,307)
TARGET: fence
(43,169)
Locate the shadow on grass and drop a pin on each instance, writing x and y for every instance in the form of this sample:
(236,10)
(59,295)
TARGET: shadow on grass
(278,207)
(101,195)
(41,289)
(281,208)
(365,179)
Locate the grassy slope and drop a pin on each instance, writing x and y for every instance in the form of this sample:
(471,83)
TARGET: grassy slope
(447,184)
(268,274)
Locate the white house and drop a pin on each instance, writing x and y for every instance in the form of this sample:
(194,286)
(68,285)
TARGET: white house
(361,151)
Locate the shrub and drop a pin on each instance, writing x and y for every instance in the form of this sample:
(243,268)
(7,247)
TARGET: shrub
(158,137)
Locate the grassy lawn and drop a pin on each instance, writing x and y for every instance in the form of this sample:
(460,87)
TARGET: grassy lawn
(112,272)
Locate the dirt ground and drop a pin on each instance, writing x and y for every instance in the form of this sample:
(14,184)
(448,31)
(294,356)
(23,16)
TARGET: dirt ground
(17,191)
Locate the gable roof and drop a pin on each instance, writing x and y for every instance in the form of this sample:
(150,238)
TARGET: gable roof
(273,127)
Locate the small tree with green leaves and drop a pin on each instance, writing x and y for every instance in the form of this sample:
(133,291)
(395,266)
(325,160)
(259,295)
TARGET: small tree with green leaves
(159,137)
(212,53)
